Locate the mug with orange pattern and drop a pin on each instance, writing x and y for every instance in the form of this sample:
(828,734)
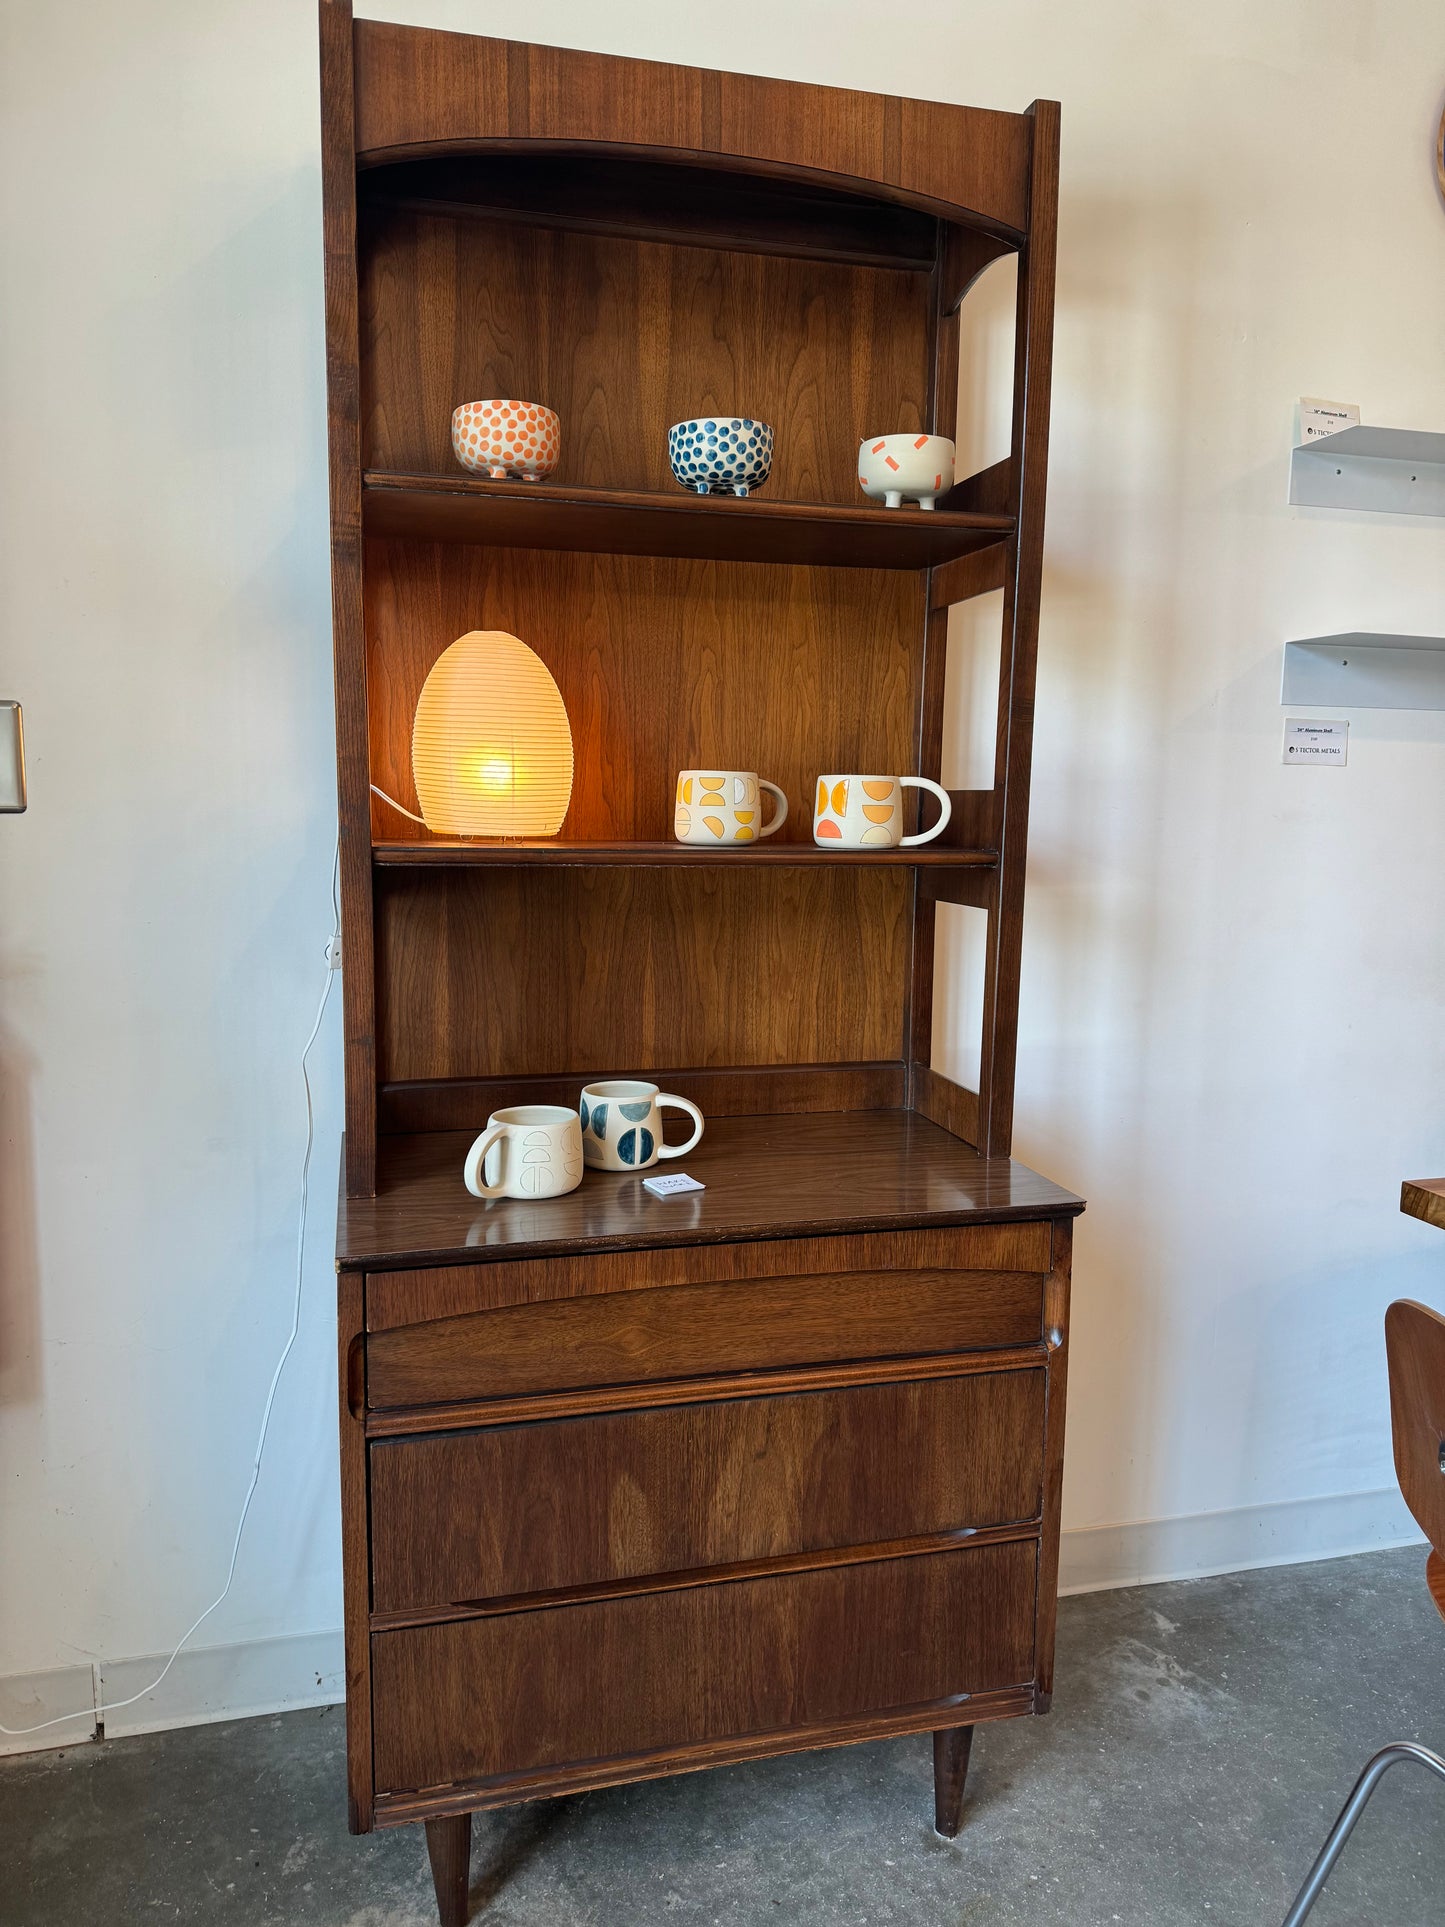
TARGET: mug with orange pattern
(866,812)
(724,806)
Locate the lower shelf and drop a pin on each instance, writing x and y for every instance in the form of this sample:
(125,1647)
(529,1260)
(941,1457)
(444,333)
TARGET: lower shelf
(1363,670)
(554,852)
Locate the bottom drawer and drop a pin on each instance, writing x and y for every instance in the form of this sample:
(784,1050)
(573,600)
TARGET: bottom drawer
(481,1698)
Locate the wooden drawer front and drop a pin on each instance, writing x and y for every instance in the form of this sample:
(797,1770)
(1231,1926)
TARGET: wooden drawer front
(690,1330)
(576,1502)
(447,1291)
(477,1698)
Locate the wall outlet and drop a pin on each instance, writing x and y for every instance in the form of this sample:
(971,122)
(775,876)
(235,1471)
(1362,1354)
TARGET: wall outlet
(333,953)
(12,759)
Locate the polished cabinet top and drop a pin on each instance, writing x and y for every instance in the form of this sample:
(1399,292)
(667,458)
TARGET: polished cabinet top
(765,1177)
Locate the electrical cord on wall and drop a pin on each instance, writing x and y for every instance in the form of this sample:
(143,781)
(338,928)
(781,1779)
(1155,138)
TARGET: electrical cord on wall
(401,808)
(98,1712)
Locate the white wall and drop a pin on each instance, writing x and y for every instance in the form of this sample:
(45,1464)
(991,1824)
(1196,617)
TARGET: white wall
(1232,1038)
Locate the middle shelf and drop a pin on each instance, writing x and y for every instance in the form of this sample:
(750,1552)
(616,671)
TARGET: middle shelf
(554,852)
(544,515)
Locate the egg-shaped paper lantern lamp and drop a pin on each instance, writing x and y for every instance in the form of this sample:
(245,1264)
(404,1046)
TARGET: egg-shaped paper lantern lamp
(491,747)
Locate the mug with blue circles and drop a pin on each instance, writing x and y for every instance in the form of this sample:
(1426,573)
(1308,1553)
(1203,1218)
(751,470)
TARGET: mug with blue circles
(720,454)
(622,1125)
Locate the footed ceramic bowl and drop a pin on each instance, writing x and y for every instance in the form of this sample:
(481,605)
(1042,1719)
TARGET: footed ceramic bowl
(502,439)
(892,466)
(721,455)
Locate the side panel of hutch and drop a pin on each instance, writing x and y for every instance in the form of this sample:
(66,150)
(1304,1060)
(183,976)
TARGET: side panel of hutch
(634,1486)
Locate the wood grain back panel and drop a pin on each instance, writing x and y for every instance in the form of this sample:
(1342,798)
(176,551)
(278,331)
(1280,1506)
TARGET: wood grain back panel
(663,664)
(608,971)
(416,1297)
(737,1326)
(474,1700)
(420,88)
(579,1502)
(624,337)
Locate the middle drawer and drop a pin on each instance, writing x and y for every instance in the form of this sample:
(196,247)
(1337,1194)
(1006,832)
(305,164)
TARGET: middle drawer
(467,1516)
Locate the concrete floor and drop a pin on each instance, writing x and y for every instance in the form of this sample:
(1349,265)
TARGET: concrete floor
(1202,1739)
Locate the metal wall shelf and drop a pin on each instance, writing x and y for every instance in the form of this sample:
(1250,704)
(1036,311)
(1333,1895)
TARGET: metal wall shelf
(1364,671)
(1392,471)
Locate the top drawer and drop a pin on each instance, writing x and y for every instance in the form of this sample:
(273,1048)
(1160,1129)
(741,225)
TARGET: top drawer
(883,1296)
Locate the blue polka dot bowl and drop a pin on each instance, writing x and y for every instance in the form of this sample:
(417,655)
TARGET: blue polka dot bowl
(721,454)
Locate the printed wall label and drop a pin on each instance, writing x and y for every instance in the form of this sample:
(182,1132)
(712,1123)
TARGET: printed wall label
(1308,743)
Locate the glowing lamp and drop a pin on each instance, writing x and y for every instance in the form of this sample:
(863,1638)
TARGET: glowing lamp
(491,748)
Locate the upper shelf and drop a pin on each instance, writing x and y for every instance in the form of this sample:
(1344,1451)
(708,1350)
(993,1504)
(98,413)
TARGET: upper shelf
(652,201)
(1392,471)
(542,515)
(556,852)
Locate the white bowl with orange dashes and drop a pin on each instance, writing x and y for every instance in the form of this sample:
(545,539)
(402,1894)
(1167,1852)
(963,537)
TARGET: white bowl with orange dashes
(505,440)
(892,466)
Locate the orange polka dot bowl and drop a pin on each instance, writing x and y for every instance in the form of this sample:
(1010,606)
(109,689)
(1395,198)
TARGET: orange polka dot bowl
(892,466)
(507,440)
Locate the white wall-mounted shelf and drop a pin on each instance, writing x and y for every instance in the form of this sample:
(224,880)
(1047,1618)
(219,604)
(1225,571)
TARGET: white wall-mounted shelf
(1364,671)
(1392,471)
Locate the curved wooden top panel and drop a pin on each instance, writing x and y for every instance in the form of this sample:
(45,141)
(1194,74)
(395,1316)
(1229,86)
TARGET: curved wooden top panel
(419,90)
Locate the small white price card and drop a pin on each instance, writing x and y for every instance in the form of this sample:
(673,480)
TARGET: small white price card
(674,1182)
(1320,418)
(1315,745)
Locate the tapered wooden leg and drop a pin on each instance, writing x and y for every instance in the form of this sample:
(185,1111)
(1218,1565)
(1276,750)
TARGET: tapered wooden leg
(950,1769)
(449,1847)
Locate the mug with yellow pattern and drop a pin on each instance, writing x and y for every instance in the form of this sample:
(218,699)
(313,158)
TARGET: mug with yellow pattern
(866,812)
(722,806)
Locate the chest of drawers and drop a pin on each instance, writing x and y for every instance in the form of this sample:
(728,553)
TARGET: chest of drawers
(625,1511)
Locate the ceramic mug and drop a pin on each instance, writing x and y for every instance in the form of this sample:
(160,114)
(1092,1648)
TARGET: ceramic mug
(622,1125)
(866,812)
(531,1150)
(724,806)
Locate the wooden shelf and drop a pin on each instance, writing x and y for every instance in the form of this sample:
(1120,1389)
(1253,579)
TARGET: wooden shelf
(554,853)
(787,1176)
(541,515)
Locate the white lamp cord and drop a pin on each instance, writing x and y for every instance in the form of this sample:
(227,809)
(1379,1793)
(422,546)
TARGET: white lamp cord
(376,790)
(99,1711)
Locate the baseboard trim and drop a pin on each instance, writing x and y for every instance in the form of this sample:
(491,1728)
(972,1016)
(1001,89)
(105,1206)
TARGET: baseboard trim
(34,1699)
(235,1682)
(260,1676)
(1203,1545)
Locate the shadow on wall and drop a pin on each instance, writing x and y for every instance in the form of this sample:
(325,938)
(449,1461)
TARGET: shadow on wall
(1096,1015)
(19,1248)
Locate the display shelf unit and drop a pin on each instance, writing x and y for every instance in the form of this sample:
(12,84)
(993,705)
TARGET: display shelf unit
(824,1396)
(1391,471)
(1362,670)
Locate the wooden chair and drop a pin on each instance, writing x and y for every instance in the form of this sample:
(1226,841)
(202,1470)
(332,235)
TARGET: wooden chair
(1415,1348)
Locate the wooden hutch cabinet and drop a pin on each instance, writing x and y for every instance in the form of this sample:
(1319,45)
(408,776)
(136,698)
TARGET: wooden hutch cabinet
(636,1485)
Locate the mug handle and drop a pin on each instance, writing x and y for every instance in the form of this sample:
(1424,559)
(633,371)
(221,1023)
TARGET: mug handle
(681,1104)
(477,1157)
(777,823)
(936,789)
